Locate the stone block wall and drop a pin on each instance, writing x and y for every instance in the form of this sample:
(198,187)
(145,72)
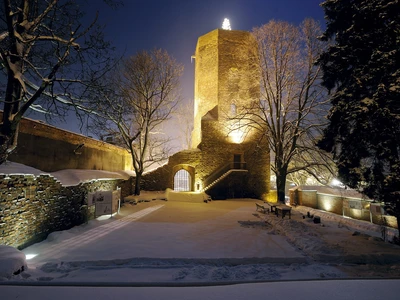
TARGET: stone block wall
(50,149)
(215,152)
(227,83)
(163,177)
(205,81)
(308,198)
(32,207)
(361,212)
(330,203)
(157,180)
(355,208)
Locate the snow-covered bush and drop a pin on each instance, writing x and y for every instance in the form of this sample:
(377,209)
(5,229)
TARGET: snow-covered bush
(12,261)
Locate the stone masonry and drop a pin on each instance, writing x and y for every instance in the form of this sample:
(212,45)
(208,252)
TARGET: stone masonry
(50,149)
(226,81)
(31,207)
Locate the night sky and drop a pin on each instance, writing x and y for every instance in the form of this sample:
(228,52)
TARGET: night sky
(175,25)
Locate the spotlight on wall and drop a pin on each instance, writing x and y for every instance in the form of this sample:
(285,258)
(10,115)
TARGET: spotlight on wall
(30,256)
(237,136)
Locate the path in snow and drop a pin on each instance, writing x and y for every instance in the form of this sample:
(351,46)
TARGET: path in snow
(57,250)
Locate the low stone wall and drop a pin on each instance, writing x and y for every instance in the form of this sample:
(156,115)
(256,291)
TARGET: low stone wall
(31,207)
(330,203)
(308,198)
(355,208)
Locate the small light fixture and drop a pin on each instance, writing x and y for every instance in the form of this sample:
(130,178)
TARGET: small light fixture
(226,25)
(30,256)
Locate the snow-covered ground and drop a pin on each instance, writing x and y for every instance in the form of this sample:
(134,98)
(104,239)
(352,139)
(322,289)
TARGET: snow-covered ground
(220,241)
(173,243)
(190,247)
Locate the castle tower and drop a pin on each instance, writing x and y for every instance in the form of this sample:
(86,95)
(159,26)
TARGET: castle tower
(226,76)
(227,159)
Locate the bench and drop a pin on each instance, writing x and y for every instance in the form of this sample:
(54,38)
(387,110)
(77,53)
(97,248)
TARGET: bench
(272,206)
(261,208)
(284,209)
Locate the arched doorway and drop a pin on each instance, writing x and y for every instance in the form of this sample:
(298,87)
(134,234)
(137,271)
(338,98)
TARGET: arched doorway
(182,181)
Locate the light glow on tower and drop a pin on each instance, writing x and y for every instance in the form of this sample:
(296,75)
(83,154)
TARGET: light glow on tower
(237,136)
(226,25)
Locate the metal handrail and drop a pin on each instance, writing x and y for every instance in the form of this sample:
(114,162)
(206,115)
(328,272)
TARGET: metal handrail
(221,171)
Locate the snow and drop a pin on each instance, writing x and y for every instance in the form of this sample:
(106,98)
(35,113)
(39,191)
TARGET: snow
(191,250)
(66,177)
(313,290)
(11,261)
(187,249)
(70,177)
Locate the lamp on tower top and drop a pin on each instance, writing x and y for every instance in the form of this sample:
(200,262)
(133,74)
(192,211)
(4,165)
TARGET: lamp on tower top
(226,25)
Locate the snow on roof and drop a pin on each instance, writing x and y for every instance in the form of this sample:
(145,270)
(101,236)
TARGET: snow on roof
(66,177)
(333,191)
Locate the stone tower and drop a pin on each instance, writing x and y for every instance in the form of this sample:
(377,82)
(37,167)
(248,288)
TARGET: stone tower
(226,75)
(227,159)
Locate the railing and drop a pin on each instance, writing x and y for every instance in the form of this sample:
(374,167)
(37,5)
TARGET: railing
(223,172)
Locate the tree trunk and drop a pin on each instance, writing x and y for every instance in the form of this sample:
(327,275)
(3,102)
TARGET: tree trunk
(138,179)
(280,185)
(8,138)
(9,125)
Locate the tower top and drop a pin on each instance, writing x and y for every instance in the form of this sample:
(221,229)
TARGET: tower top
(226,25)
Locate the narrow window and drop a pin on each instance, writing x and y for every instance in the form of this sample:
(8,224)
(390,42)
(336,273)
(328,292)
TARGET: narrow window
(233,110)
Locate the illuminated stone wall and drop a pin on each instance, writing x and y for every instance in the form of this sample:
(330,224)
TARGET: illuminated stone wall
(355,208)
(308,198)
(31,207)
(205,80)
(330,203)
(226,75)
(226,82)
(49,149)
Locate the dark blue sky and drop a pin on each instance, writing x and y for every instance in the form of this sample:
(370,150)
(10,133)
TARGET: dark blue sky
(175,25)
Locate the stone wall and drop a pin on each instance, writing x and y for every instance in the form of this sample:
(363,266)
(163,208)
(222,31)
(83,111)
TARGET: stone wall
(308,198)
(355,208)
(216,152)
(205,80)
(32,207)
(331,203)
(50,149)
(226,73)
(227,83)
(157,180)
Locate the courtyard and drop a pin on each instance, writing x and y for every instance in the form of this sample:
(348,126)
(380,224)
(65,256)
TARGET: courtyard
(217,242)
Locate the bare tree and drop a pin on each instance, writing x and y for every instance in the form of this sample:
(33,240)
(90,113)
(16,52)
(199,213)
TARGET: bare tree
(48,61)
(293,103)
(141,97)
(320,173)
(184,120)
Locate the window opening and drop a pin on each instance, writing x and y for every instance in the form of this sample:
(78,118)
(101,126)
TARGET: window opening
(233,109)
(182,181)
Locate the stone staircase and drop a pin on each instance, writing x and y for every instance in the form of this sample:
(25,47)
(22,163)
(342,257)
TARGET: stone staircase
(222,173)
